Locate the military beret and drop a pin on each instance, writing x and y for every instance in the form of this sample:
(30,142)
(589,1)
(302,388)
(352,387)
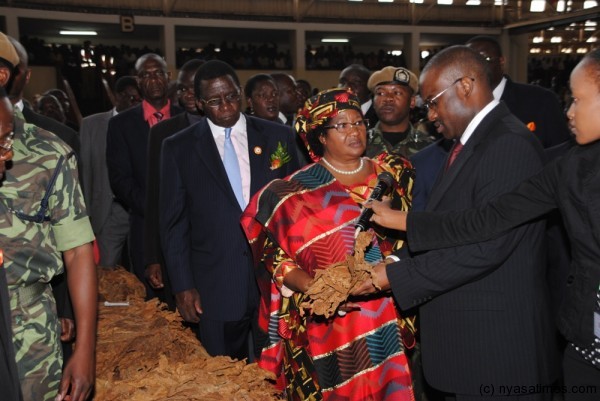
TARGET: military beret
(8,53)
(394,75)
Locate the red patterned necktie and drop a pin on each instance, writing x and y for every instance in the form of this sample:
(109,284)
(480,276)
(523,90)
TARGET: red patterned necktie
(453,153)
(159,116)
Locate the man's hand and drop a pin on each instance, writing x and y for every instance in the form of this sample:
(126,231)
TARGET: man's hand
(377,282)
(153,275)
(385,216)
(189,305)
(77,379)
(67,329)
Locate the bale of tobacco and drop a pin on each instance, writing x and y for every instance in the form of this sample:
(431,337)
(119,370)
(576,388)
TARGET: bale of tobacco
(145,354)
(332,285)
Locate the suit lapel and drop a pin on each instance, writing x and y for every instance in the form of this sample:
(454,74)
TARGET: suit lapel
(446,178)
(258,155)
(209,155)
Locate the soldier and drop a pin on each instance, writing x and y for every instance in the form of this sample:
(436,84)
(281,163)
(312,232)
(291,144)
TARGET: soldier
(43,217)
(394,91)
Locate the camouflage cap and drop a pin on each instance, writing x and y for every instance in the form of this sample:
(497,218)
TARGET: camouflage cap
(8,53)
(394,75)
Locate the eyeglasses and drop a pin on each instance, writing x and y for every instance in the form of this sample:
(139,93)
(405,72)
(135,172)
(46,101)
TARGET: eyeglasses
(432,103)
(346,128)
(6,145)
(216,102)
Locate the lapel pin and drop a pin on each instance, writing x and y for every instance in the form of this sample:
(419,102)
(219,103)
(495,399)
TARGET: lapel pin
(257,150)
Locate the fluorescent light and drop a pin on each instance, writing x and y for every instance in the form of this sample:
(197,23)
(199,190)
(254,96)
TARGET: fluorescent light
(535,50)
(355,0)
(334,40)
(473,2)
(444,2)
(79,33)
(537,6)
(424,54)
(560,6)
(386,1)
(416,1)
(589,4)
(555,39)
(582,50)
(592,39)
(538,39)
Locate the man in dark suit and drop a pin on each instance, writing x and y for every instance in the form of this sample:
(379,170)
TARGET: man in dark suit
(153,258)
(356,77)
(109,218)
(538,108)
(209,171)
(474,300)
(126,151)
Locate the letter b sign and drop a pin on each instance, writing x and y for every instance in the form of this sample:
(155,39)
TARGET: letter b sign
(127,23)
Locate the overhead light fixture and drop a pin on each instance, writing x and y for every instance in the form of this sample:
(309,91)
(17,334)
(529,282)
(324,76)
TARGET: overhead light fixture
(444,2)
(424,54)
(416,1)
(473,2)
(560,6)
(582,50)
(589,4)
(537,6)
(355,0)
(79,33)
(538,39)
(535,50)
(592,39)
(386,1)
(395,52)
(555,39)
(334,40)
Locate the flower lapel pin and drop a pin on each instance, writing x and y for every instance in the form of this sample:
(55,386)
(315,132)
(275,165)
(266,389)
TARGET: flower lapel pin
(280,156)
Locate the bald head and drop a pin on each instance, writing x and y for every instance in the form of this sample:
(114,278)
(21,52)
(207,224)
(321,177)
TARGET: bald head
(491,51)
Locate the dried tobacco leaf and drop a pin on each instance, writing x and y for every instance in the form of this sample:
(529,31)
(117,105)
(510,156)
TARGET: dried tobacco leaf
(332,285)
(144,353)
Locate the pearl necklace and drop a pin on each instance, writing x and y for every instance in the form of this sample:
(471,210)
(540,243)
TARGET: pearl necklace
(345,172)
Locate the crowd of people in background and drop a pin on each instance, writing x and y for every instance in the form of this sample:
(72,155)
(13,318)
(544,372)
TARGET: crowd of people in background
(193,194)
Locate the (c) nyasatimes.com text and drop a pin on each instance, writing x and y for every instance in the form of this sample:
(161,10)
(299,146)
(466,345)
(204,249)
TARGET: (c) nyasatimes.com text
(507,390)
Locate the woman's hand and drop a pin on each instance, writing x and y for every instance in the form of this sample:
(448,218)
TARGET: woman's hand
(385,216)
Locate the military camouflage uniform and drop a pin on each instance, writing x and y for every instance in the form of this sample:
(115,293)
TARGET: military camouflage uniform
(414,141)
(32,251)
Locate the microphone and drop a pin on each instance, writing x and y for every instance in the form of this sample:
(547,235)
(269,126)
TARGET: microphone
(385,182)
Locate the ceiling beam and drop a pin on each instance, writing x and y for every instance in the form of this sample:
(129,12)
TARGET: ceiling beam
(558,20)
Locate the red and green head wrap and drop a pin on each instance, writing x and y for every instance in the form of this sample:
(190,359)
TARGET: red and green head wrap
(318,111)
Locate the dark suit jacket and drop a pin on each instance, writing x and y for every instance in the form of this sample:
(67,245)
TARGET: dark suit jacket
(203,242)
(531,103)
(571,184)
(371,115)
(126,157)
(158,134)
(428,163)
(475,299)
(9,375)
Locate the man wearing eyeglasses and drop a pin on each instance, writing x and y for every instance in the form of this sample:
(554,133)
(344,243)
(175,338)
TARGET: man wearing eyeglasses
(43,221)
(209,171)
(126,153)
(474,300)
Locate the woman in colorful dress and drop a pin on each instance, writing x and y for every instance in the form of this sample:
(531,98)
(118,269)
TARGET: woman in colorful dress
(306,222)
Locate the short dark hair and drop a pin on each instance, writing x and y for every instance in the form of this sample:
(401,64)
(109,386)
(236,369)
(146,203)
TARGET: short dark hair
(592,59)
(254,80)
(124,82)
(191,65)
(462,59)
(210,70)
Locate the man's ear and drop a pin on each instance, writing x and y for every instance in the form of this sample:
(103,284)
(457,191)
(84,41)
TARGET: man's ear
(413,101)
(4,76)
(199,105)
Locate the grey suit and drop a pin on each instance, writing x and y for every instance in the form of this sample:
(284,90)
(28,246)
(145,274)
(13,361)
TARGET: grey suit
(110,220)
